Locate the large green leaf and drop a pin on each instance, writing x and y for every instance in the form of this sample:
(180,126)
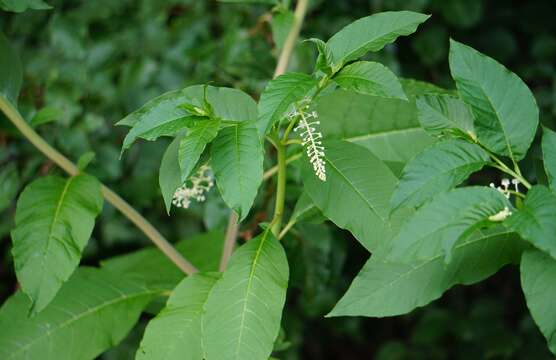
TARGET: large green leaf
(169,175)
(92,312)
(538,272)
(152,267)
(549,156)
(437,169)
(54,220)
(388,288)
(243,311)
(506,114)
(9,184)
(356,193)
(237,163)
(372,33)
(384,126)
(370,78)
(441,114)
(536,220)
(194,143)
(448,218)
(22,5)
(279,96)
(157,116)
(10,71)
(176,332)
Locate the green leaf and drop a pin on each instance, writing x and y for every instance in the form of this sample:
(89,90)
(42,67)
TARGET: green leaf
(445,114)
(46,115)
(281,24)
(163,116)
(251,1)
(325,62)
(54,220)
(237,163)
(305,210)
(372,33)
(279,96)
(85,160)
(10,70)
(169,176)
(536,220)
(384,126)
(22,5)
(243,311)
(92,312)
(538,272)
(152,267)
(448,219)
(176,332)
(549,156)
(194,143)
(506,114)
(356,193)
(387,288)
(437,169)
(9,184)
(370,78)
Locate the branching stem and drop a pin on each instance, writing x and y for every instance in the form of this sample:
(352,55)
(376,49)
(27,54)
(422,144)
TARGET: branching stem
(133,215)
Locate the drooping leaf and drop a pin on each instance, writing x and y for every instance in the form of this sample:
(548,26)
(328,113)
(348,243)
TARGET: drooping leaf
(46,115)
(279,96)
(384,126)
(22,5)
(370,78)
(440,114)
(169,176)
(237,163)
(356,193)
(92,312)
(152,267)
(176,332)
(54,220)
(10,70)
(506,114)
(325,62)
(437,169)
(549,156)
(388,288)
(536,220)
(372,33)
(193,144)
(163,115)
(243,311)
(538,271)
(446,220)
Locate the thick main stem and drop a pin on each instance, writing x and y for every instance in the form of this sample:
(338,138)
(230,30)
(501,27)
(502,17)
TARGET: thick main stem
(280,189)
(137,219)
(281,67)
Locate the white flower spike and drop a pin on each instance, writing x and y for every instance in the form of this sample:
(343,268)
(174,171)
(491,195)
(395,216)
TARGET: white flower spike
(194,188)
(311,139)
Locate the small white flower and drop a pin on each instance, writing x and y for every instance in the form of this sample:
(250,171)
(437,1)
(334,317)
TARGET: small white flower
(505,188)
(194,188)
(311,139)
(515,183)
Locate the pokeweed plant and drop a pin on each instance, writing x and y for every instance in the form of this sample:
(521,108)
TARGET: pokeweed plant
(426,233)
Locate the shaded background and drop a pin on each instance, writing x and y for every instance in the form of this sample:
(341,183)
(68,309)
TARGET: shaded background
(88,63)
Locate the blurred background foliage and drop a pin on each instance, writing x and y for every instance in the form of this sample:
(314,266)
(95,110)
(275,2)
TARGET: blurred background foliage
(88,63)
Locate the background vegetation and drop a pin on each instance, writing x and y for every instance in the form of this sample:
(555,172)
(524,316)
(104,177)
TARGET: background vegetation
(88,63)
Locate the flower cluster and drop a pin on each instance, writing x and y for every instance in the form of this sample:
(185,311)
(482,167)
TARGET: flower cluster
(194,188)
(311,139)
(505,188)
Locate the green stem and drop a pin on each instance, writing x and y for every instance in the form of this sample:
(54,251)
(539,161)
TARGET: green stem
(15,117)
(503,167)
(280,189)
